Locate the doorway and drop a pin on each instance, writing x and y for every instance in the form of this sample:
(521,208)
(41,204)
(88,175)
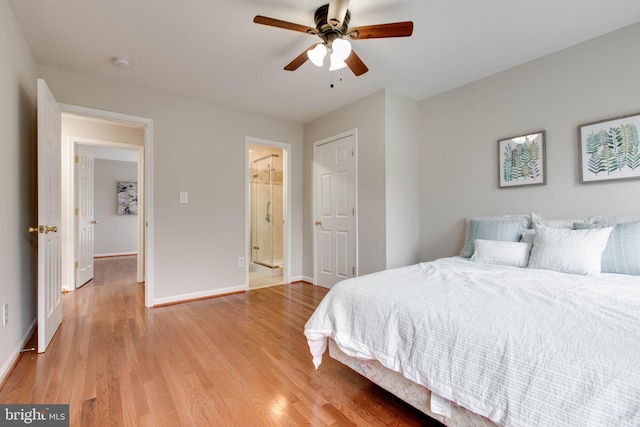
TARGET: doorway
(98,138)
(267,207)
(105,215)
(144,155)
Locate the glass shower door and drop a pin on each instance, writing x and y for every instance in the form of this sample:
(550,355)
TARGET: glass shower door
(262,212)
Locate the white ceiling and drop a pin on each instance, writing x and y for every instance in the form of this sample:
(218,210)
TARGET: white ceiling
(212,51)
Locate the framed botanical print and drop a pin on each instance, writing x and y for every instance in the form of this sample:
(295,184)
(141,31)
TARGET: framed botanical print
(610,149)
(522,160)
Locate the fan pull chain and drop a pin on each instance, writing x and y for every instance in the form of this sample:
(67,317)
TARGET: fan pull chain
(332,85)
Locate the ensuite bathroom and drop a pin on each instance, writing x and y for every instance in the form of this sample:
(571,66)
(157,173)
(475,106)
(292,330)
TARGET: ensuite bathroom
(266,189)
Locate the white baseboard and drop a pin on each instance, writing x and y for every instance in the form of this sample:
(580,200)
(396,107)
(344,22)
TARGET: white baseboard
(307,279)
(198,295)
(16,352)
(295,279)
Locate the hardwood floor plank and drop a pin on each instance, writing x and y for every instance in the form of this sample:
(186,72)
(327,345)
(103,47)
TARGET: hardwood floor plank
(130,413)
(100,406)
(236,360)
(87,416)
(114,380)
(162,411)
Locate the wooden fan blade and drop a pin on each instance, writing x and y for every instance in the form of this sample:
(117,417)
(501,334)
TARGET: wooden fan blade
(396,29)
(300,59)
(355,64)
(272,22)
(336,13)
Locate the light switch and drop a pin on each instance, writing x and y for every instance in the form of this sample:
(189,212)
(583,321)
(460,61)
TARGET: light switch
(184,197)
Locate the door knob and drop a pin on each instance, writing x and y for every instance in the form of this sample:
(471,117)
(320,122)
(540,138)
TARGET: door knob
(35,230)
(94,222)
(318,222)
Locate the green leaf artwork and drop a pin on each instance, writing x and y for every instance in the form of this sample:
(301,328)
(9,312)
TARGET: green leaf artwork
(521,160)
(613,149)
(610,149)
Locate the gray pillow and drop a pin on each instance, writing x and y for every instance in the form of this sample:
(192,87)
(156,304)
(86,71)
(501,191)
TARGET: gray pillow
(622,254)
(615,220)
(507,229)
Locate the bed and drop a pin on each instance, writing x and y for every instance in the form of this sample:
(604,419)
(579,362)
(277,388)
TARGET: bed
(515,333)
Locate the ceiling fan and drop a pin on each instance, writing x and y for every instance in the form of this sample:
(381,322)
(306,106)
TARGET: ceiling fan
(332,26)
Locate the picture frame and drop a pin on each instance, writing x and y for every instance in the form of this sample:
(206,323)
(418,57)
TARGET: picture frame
(610,149)
(522,160)
(127,198)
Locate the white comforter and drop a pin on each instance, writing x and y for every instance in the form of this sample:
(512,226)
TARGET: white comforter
(522,347)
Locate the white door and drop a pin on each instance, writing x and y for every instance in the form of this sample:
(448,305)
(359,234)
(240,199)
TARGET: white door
(49,202)
(335,219)
(84,214)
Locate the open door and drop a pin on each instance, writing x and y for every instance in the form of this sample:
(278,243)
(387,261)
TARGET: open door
(84,214)
(49,218)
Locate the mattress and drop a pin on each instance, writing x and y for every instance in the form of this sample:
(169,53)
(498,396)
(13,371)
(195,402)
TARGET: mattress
(519,346)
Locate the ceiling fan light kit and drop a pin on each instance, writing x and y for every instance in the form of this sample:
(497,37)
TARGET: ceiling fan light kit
(336,63)
(332,26)
(340,50)
(317,54)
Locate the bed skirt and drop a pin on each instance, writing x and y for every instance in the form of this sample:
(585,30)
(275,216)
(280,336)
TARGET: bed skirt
(414,394)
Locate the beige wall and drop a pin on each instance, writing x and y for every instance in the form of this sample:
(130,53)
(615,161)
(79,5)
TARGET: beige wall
(18,169)
(101,130)
(198,148)
(367,115)
(459,131)
(401,190)
(114,234)
(387,149)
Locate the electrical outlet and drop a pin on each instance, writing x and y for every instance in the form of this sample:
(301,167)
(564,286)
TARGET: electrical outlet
(5,314)
(241,262)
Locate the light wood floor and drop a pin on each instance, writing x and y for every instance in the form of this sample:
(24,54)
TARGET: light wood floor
(237,360)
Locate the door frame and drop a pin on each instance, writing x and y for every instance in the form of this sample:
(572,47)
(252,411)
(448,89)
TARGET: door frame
(354,133)
(145,265)
(78,140)
(286,229)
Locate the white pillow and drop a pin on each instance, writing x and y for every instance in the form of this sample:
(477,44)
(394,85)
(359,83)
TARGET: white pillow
(515,254)
(569,251)
(505,228)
